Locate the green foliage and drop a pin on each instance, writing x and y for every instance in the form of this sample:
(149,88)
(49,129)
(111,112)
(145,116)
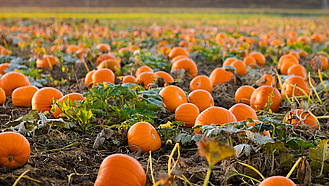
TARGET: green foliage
(169,130)
(320,154)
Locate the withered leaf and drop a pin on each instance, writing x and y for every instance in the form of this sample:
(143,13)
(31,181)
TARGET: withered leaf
(320,154)
(304,172)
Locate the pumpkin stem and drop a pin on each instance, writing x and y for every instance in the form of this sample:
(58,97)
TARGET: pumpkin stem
(11,158)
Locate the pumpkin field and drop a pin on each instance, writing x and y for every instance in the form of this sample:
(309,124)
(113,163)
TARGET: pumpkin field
(157,97)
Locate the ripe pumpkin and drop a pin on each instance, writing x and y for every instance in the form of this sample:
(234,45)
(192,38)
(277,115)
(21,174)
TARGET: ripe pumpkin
(16,151)
(187,113)
(220,76)
(178,51)
(240,67)
(229,61)
(42,99)
(317,60)
(259,57)
(129,79)
(300,117)
(296,54)
(103,47)
(297,70)
(243,94)
(172,97)
(287,57)
(266,79)
(103,75)
(242,111)
(47,61)
(120,170)
(249,61)
(178,58)
(3,67)
(146,78)
(187,64)
(72,97)
(214,115)
(285,66)
(89,78)
(109,64)
(12,80)
(22,96)
(144,136)
(167,77)
(71,49)
(277,180)
(289,89)
(202,99)
(143,69)
(104,57)
(2,96)
(261,96)
(201,82)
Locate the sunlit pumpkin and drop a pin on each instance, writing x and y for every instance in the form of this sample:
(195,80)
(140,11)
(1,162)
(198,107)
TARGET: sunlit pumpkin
(297,70)
(104,57)
(201,82)
(277,180)
(259,57)
(242,111)
(146,78)
(265,95)
(290,90)
(320,62)
(129,79)
(42,98)
(301,117)
(172,97)
(167,77)
(72,97)
(185,64)
(47,61)
(201,98)
(12,80)
(3,67)
(22,96)
(243,94)
(220,76)
(103,75)
(89,78)
(143,69)
(110,64)
(178,51)
(103,47)
(187,113)
(2,96)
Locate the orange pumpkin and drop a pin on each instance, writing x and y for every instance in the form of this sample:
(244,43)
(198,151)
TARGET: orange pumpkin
(3,67)
(220,76)
(289,88)
(22,96)
(319,61)
(12,80)
(178,51)
(242,111)
(143,69)
(110,64)
(71,49)
(285,66)
(277,180)
(187,113)
(261,97)
(243,94)
(104,57)
(103,75)
(214,115)
(172,97)
(146,78)
(249,61)
(2,96)
(287,57)
(167,77)
(294,53)
(119,170)
(301,117)
(266,79)
(240,67)
(47,61)
(259,57)
(129,79)
(187,64)
(103,47)
(265,132)
(72,97)
(142,135)
(42,99)
(229,61)
(297,70)
(179,57)
(15,150)
(201,98)
(89,78)
(201,82)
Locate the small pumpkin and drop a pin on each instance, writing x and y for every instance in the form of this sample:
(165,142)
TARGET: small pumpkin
(249,61)
(240,67)
(243,94)
(142,135)
(71,49)
(22,96)
(187,64)
(143,69)
(285,66)
(167,77)
(320,62)
(129,79)
(229,61)
(110,64)
(89,78)
(47,61)
(301,117)
(104,57)
(242,111)
(104,47)
(289,89)
(297,70)
(42,99)
(202,99)
(172,97)
(187,113)
(3,67)
(220,76)
(12,80)
(178,51)
(285,58)
(261,97)
(146,78)
(201,82)
(277,180)
(2,96)
(72,97)
(16,151)
(103,75)
(120,169)
(259,57)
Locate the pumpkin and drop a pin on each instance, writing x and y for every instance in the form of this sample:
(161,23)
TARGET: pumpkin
(240,67)
(294,53)
(201,82)
(2,96)
(178,51)
(167,77)
(229,61)
(285,66)
(123,50)
(261,97)
(120,170)
(285,58)
(12,80)
(129,79)
(109,64)
(297,70)
(42,99)
(288,86)
(104,57)
(259,57)
(143,69)
(103,75)
(187,113)
(142,135)
(277,180)
(243,94)
(89,78)
(301,117)
(172,97)
(47,61)
(3,67)
(242,111)
(187,64)
(72,97)
(266,79)
(214,115)
(319,62)
(220,76)
(146,78)
(103,47)
(71,49)
(15,150)
(303,53)
(178,58)
(265,132)
(22,96)
(201,98)
(249,61)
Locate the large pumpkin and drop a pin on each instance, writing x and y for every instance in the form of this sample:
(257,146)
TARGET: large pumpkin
(72,97)
(220,76)
(301,117)
(2,96)
(14,150)
(47,61)
(187,113)
(242,111)
(42,99)
(202,99)
(103,75)
(12,80)
(172,97)
(142,135)
(185,64)
(261,97)
(120,170)
(201,82)
(22,96)
(290,90)
(243,94)
(276,181)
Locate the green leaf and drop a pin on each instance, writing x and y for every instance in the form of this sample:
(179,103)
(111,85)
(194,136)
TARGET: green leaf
(320,153)
(271,147)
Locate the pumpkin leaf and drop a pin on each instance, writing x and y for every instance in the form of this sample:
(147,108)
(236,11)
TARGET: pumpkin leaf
(271,147)
(258,138)
(320,154)
(246,148)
